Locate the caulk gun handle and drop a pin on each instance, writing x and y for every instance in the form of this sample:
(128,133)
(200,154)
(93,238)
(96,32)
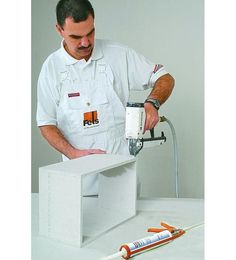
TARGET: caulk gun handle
(152,132)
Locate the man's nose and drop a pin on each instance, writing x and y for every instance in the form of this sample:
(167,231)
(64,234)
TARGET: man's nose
(85,41)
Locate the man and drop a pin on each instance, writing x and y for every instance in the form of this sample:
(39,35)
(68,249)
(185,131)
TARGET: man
(84,86)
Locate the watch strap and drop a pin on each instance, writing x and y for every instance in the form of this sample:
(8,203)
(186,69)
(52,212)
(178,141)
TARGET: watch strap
(154,102)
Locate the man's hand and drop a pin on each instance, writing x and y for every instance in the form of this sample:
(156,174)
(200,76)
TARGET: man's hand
(161,91)
(152,116)
(76,153)
(56,139)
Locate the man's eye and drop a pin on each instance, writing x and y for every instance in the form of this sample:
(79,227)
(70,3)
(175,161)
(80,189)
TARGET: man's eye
(90,33)
(76,37)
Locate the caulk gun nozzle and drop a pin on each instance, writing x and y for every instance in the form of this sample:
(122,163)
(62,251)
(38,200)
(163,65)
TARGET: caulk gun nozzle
(118,254)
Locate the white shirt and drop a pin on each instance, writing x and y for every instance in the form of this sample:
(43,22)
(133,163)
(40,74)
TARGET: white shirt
(87,100)
(131,71)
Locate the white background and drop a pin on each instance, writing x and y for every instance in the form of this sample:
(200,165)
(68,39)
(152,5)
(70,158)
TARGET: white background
(15,107)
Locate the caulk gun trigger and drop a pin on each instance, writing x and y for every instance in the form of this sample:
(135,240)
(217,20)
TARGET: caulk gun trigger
(156,230)
(166,227)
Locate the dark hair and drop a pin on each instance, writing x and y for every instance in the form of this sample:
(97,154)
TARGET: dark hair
(79,10)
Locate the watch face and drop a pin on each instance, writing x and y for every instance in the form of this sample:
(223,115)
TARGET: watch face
(156,105)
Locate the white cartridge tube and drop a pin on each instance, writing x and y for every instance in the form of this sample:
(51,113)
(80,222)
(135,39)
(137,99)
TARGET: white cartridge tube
(146,243)
(141,245)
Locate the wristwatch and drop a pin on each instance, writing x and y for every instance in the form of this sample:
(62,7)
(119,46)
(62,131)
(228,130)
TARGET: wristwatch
(154,102)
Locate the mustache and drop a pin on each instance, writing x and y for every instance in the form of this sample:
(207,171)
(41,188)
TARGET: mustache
(85,48)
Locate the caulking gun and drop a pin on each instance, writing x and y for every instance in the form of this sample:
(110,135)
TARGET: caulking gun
(161,237)
(134,128)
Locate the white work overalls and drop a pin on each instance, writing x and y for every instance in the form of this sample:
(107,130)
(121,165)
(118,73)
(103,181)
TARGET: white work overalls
(90,114)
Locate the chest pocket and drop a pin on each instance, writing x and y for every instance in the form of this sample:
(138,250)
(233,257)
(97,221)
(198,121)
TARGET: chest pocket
(76,102)
(94,98)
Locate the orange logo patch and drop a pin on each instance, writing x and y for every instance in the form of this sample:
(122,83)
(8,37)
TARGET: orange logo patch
(91,119)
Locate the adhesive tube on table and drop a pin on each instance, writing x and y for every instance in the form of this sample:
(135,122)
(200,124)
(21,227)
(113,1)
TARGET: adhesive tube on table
(145,244)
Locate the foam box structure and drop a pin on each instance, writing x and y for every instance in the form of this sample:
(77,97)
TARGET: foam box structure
(68,216)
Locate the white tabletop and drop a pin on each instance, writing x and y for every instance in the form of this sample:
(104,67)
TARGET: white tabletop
(180,213)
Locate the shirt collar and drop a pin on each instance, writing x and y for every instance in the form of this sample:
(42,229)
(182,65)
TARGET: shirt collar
(96,54)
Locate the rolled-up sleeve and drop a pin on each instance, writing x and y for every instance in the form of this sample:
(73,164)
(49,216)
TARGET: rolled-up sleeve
(142,73)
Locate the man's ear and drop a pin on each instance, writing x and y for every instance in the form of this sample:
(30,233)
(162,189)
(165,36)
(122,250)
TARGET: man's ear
(59,29)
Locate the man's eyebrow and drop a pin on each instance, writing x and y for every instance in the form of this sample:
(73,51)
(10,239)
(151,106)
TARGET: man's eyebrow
(79,36)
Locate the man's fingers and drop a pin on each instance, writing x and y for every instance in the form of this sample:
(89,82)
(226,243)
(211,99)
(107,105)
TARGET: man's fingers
(96,151)
(152,116)
(150,123)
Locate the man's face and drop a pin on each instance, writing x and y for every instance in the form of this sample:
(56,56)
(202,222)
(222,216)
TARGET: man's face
(78,37)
